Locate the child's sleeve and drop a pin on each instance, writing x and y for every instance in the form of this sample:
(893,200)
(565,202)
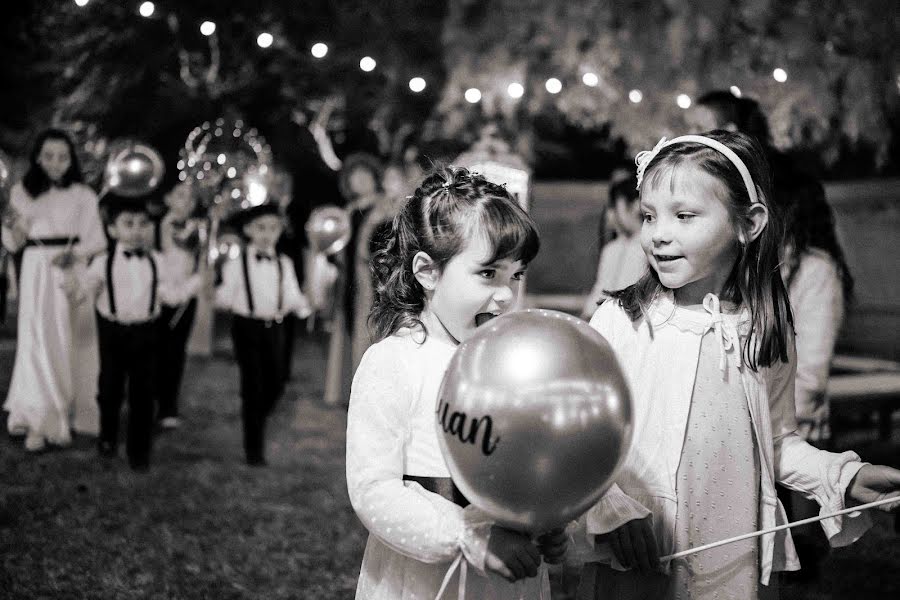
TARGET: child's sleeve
(173,289)
(294,300)
(410,520)
(232,280)
(92,238)
(818,475)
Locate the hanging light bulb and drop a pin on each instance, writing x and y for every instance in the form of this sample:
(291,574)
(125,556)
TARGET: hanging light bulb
(207,28)
(683,101)
(367,63)
(473,95)
(590,79)
(553,85)
(780,75)
(735,91)
(264,40)
(635,96)
(515,90)
(146,9)
(319,50)
(417,84)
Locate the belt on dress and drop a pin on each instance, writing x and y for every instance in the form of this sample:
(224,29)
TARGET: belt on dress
(51,241)
(442,486)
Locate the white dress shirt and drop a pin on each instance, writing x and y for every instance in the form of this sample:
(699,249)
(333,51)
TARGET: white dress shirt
(132,286)
(263,285)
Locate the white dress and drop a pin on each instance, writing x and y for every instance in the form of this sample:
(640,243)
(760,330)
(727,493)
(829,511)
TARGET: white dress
(54,380)
(414,534)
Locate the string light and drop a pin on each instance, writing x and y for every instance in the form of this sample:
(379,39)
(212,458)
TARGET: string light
(683,101)
(367,63)
(635,96)
(207,28)
(735,91)
(515,90)
(553,85)
(473,95)
(81,3)
(590,79)
(417,84)
(265,40)
(146,9)
(319,50)
(780,75)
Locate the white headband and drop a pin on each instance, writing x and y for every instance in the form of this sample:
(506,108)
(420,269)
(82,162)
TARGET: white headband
(644,158)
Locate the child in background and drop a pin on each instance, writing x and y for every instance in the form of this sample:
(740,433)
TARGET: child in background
(179,243)
(259,288)
(706,342)
(128,286)
(622,261)
(454,259)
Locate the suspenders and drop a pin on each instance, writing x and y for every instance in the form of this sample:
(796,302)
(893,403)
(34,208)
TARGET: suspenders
(250,306)
(109,282)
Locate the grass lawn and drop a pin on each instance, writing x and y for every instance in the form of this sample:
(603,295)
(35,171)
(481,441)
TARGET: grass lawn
(201,524)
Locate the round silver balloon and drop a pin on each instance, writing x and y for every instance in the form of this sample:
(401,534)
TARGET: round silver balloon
(134,169)
(534,417)
(328,229)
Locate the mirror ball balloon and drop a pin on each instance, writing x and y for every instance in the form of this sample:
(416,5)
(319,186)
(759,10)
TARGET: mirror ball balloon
(134,170)
(328,229)
(534,417)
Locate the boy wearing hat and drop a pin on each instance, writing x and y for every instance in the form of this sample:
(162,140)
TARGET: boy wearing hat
(128,284)
(259,288)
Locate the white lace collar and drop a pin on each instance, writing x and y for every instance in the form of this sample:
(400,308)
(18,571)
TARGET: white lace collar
(730,327)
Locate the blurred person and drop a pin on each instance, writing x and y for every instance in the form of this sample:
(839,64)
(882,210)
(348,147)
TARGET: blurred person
(53,219)
(622,261)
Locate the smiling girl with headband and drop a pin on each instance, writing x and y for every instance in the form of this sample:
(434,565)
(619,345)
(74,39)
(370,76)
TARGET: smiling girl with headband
(706,340)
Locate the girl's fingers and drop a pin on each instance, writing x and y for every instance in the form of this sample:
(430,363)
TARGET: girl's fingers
(493,563)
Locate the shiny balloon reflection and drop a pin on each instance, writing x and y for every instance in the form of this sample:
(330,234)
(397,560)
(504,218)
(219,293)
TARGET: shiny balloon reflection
(134,169)
(328,229)
(534,417)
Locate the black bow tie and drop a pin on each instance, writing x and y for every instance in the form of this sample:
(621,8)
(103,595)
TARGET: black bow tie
(261,257)
(136,253)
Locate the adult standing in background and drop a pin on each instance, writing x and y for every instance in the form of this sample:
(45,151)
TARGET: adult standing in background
(54,219)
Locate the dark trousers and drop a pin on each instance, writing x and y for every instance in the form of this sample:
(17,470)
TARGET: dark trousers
(127,352)
(259,349)
(172,356)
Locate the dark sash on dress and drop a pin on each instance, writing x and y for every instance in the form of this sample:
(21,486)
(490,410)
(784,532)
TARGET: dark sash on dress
(442,486)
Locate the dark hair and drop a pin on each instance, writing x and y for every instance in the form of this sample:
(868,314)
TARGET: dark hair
(360,160)
(35,180)
(626,187)
(112,205)
(451,206)
(744,113)
(755,280)
(809,223)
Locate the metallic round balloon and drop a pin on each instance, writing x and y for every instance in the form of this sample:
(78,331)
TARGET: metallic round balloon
(534,417)
(328,229)
(134,169)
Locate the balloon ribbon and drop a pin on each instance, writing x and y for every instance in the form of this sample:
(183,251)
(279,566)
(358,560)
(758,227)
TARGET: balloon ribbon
(778,528)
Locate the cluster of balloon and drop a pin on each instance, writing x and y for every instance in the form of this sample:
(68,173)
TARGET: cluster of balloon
(133,169)
(534,418)
(229,164)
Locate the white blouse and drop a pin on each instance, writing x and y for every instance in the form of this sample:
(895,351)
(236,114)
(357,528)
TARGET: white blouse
(660,366)
(414,533)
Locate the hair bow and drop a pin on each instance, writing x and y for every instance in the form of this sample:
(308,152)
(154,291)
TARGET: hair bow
(643,158)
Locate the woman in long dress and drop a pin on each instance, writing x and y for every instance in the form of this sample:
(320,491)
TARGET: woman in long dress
(53,218)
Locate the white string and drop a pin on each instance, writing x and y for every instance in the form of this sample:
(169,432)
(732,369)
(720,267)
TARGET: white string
(778,528)
(462,577)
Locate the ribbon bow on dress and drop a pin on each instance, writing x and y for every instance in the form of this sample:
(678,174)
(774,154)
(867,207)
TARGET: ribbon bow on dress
(725,331)
(642,159)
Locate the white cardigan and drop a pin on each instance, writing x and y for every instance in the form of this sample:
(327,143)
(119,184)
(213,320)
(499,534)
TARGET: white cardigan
(660,366)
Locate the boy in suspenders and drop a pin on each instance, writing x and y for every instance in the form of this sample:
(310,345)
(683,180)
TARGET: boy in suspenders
(259,288)
(128,285)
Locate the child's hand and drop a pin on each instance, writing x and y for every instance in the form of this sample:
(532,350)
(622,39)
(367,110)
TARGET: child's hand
(634,545)
(71,290)
(511,554)
(874,482)
(553,545)
(64,260)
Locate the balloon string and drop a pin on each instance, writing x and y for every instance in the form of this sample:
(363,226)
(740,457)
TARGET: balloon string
(449,575)
(778,528)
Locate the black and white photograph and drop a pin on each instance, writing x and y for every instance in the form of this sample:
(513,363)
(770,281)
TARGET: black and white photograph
(450,300)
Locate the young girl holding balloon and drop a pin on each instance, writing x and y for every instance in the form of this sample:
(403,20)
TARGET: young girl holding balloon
(706,342)
(455,257)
